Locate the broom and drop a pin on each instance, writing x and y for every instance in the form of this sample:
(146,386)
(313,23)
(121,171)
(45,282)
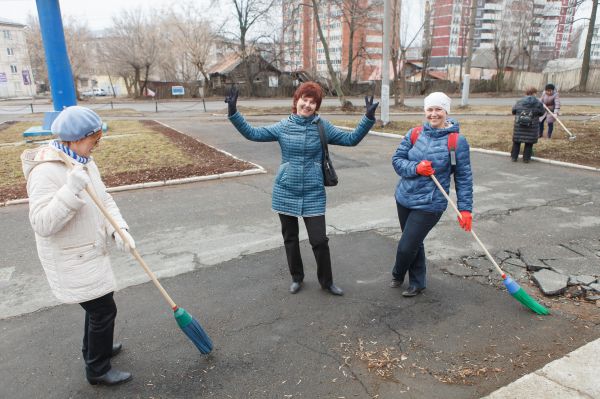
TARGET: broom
(186,322)
(572,137)
(511,285)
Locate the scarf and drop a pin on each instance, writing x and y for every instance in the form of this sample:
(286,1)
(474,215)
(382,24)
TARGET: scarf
(60,146)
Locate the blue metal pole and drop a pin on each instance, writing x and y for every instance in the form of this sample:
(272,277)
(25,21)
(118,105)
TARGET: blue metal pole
(59,68)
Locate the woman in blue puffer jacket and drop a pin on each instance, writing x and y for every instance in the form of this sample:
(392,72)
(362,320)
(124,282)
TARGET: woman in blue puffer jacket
(419,202)
(298,190)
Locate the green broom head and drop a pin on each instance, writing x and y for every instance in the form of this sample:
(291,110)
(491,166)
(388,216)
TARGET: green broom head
(522,296)
(193,330)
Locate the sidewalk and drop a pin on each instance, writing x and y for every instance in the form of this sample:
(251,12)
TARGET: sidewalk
(217,248)
(575,376)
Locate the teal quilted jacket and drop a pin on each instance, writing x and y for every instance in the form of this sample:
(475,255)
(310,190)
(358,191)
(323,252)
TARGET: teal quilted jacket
(298,188)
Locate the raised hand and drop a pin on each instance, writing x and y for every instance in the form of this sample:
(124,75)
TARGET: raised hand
(77,179)
(231,100)
(371,107)
(424,168)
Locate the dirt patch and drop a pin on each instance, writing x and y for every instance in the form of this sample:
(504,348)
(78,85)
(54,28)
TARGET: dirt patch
(203,160)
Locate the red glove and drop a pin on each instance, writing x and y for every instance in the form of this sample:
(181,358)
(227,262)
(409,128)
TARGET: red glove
(465,220)
(424,168)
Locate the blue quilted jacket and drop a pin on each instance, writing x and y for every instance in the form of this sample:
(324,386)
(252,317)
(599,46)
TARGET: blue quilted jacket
(420,192)
(298,188)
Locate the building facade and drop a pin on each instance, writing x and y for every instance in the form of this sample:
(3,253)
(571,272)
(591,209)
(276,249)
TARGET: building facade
(302,49)
(16,78)
(531,28)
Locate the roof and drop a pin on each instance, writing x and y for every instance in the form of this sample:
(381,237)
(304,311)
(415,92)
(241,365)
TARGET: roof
(563,64)
(4,21)
(484,58)
(227,65)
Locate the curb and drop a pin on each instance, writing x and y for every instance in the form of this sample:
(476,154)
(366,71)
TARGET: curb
(494,152)
(255,171)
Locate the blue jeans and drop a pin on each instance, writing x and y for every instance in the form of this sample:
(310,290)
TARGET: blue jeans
(550,128)
(410,256)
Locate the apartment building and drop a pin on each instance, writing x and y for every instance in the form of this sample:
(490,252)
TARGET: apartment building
(540,27)
(303,50)
(16,79)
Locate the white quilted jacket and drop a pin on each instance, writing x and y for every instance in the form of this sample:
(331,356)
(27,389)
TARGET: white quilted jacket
(70,231)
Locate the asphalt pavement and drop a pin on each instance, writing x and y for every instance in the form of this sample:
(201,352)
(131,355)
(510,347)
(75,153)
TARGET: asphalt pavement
(217,248)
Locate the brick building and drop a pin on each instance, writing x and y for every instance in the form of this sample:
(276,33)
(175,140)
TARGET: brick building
(302,48)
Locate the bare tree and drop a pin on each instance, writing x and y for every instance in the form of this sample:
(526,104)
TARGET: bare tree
(396,53)
(77,38)
(334,78)
(134,45)
(188,39)
(426,49)
(355,15)
(249,14)
(585,66)
(35,47)
(503,44)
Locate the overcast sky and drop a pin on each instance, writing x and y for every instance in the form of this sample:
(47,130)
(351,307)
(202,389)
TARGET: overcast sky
(98,13)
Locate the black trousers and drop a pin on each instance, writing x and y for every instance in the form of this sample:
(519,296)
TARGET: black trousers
(410,255)
(316,229)
(100,314)
(527,151)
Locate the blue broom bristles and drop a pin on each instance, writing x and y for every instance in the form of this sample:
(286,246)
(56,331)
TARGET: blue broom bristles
(193,330)
(522,296)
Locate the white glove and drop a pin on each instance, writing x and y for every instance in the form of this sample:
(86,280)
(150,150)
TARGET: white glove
(77,179)
(124,246)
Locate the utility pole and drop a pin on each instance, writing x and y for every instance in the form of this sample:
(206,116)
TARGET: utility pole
(385,68)
(470,35)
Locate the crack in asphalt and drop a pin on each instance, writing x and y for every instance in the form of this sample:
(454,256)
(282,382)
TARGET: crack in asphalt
(337,361)
(263,323)
(583,199)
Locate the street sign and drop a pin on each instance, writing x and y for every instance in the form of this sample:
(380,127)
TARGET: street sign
(177,90)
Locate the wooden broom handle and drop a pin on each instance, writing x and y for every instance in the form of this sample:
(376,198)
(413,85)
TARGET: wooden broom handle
(558,120)
(439,186)
(117,228)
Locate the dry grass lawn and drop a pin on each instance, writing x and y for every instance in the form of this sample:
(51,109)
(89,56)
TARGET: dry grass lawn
(128,146)
(497,135)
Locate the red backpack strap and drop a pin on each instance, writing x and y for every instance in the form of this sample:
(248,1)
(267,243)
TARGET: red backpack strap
(452,142)
(414,134)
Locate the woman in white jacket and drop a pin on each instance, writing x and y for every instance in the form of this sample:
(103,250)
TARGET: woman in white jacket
(71,233)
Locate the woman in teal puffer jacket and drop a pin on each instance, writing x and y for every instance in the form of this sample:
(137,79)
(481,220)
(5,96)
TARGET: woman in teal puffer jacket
(298,190)
(419,203)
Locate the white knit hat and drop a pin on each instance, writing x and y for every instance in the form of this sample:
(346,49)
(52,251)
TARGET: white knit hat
(438,99)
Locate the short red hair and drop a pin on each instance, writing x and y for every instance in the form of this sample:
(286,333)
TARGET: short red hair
(308,89)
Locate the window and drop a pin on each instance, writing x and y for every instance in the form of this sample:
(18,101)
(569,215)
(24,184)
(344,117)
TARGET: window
(13,68)
(7,34)
(10,51)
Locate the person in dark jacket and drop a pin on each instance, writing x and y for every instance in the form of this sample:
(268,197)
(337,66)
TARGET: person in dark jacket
(551,99)
(298,190)
(526,111)
(419,202)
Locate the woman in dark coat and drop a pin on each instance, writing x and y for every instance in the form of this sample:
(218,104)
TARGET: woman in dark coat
(526,111)
(298,190)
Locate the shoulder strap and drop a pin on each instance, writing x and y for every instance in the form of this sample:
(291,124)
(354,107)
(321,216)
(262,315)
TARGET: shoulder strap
(414,134)
(452,142)
(321,130)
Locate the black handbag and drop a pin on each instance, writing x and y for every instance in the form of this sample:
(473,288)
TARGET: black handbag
(329,176)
